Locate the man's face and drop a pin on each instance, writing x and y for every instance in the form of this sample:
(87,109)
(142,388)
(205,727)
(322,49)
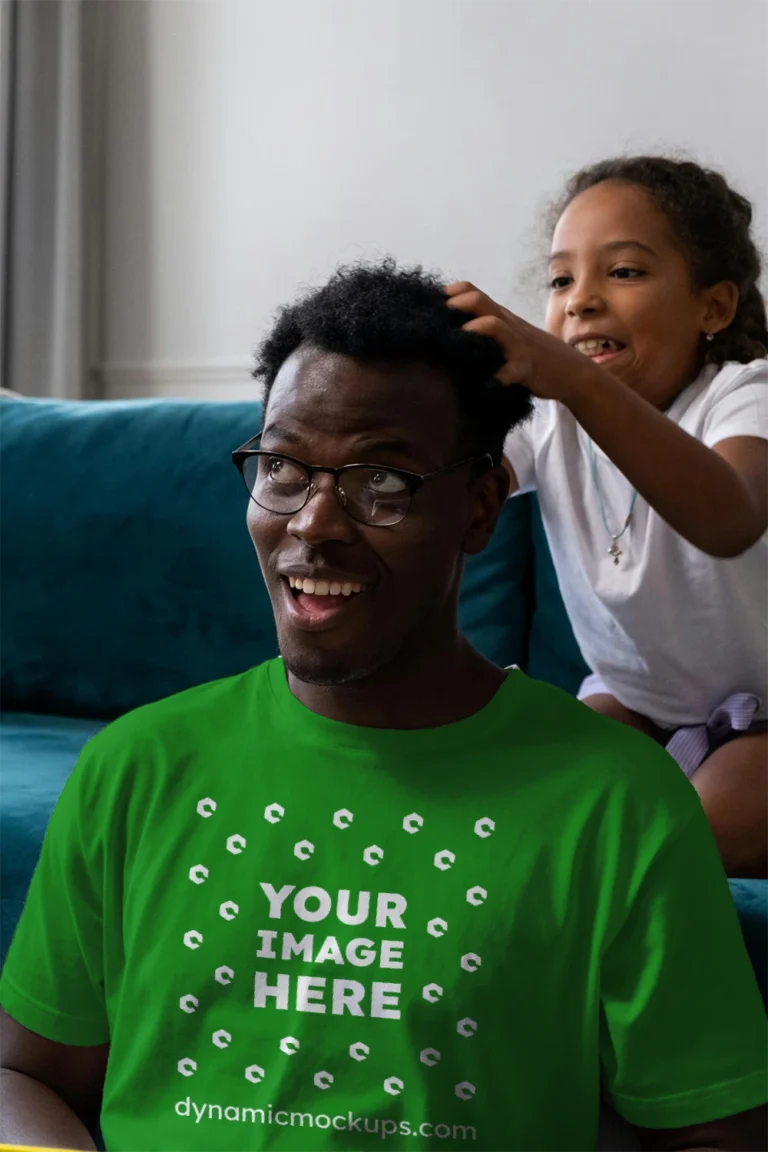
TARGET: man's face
(326,409)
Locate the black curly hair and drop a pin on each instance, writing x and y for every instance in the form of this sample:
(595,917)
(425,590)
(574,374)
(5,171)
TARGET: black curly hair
(712,222)
(380,313)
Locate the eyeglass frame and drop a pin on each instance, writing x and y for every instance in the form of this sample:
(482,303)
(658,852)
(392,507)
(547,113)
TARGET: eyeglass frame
(413,480)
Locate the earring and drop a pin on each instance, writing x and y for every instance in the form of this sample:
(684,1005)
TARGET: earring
(709,337)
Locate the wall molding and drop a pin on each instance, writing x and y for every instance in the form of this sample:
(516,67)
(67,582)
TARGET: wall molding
(226,380)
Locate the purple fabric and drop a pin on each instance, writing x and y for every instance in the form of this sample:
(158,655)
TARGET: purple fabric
(691,745)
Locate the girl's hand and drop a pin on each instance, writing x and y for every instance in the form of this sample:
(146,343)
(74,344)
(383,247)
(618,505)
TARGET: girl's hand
(550,368)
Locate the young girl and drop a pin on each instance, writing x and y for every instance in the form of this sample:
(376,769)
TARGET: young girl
(648,450)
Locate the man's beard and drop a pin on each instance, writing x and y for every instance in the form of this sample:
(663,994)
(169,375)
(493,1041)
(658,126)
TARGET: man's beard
(327,672)
(335,669)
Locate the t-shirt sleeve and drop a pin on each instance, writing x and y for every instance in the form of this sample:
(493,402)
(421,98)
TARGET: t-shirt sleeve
(683,1029)
(741,409)
(520,450)
(53,978)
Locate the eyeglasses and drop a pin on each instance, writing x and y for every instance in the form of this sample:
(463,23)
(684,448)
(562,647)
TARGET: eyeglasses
(371,495)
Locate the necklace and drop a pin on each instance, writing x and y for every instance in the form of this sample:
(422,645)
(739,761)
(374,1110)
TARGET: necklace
(614,551)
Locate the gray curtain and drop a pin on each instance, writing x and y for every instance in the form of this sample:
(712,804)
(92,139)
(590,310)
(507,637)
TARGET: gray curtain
(51,70)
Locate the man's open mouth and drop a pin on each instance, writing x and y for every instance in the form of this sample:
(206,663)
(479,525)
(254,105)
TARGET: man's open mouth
(314,602)
(325,587)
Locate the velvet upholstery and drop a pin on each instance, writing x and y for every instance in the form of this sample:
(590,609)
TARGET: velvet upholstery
(127,570)
(37,754)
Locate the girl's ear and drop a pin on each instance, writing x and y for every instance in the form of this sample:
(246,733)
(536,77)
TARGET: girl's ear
(720,304)
(490,493)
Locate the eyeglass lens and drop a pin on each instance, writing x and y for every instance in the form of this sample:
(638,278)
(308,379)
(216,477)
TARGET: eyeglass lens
(371,495)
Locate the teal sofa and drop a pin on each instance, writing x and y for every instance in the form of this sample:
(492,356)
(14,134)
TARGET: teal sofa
(127,575)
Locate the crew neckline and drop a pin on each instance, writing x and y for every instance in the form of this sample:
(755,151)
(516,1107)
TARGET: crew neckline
(358,735)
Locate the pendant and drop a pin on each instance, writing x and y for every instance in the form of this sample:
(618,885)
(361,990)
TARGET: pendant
(615,551)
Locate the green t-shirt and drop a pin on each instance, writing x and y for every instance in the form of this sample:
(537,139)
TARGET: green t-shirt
(300,934)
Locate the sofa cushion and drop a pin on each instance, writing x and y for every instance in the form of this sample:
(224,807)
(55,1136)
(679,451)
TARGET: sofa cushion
(495,603)
(128,571)
(751,899)
(553,654)
(37,754)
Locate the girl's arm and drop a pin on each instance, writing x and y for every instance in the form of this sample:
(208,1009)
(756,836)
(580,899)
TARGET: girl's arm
(716,498)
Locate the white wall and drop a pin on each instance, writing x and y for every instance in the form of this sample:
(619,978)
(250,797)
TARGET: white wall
(253,145)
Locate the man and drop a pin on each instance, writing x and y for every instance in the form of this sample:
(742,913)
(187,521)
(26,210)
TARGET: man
(379,890)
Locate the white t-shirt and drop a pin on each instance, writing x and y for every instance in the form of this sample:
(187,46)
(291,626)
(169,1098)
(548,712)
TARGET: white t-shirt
(670,630)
